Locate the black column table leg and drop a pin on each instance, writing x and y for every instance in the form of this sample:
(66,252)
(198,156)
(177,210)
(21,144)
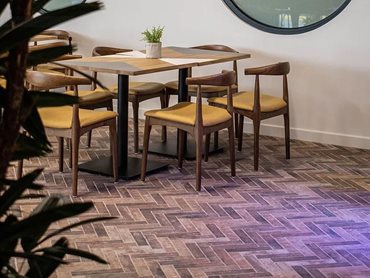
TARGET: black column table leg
(128,167)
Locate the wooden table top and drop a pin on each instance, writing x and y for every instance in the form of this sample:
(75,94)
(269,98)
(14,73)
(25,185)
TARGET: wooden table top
(38,38)
(135,63)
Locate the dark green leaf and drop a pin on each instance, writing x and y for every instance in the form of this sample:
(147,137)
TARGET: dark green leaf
(16,190)
(80,223)
(46,269)
(26,227)
(28,242)
(27,147)
(75,252)
(34,127)
(38,5)
(10,245)
(47,99)
(83,74)
(34,26)
(46,55)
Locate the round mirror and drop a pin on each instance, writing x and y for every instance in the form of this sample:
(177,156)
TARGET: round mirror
(286,16)
(60,4)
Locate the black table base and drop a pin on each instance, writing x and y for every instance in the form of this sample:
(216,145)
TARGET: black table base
(103,166)
(169,149)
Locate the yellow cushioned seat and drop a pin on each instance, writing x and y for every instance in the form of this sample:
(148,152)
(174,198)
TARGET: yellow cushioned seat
(142,88)
(88,96)
(192,89)
(61,117)
(184,113)
(3,82)
(245,101)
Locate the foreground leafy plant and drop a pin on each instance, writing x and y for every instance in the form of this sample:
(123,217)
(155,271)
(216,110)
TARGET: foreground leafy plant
(26,238)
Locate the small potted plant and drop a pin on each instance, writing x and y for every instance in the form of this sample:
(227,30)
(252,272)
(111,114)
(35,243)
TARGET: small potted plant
(153,41)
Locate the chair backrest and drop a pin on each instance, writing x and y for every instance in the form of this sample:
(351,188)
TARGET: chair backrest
(226,78)
(107,50)
(47,81)
(60,34)
(220,47)
(278,69)
(102,51)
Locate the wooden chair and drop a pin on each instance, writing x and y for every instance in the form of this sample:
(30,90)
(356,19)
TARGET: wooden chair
(72,122)
(258,107)
(138,92)
(208,91)
(59,34)
(196,119)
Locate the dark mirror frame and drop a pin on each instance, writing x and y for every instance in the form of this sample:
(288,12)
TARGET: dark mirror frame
(43,10)
(277,30)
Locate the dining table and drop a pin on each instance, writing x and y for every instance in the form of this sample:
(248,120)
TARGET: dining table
(135,63)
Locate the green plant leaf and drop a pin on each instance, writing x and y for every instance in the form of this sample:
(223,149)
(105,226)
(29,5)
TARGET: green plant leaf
(75,252)
(46,55)
(34,127)
(16,190)
(46,269)
(48,99)
(93,79)
(9,245)
(38,5)
(26,227)
(28,147)
(80,223)
(29,242)
(34,26)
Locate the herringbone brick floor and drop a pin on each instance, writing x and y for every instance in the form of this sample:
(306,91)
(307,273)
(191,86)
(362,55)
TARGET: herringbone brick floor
(307,217)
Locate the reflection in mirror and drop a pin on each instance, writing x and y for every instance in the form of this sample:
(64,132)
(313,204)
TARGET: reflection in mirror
(287,14)
(59,4)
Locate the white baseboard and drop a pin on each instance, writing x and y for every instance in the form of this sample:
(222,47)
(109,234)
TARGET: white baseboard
(317,136)
(313,136)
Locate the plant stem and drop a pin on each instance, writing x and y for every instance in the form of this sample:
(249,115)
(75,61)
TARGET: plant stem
(17,59)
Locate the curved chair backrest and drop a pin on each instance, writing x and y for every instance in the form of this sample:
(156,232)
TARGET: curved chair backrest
(278,69)
(107,50)
(47,81)
(221,47)
(60,34)
(274,69)
(226,78)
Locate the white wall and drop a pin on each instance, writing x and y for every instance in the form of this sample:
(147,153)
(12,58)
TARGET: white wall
(330,66)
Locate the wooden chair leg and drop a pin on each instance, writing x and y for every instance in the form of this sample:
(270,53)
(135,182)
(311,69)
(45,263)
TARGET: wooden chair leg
(135,108)
(256,126)
(232,150)
(89,135)
(287,135)
(181,148)
(20,169)
(240,130)
(69,140)
(61,153)
(236,121)
(215,140)
(199,146)
(144,161)
(74,150)
(206,149)
(114,149)
(163,98)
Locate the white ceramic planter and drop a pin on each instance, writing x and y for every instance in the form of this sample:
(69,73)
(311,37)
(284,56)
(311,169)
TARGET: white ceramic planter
(154,50)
